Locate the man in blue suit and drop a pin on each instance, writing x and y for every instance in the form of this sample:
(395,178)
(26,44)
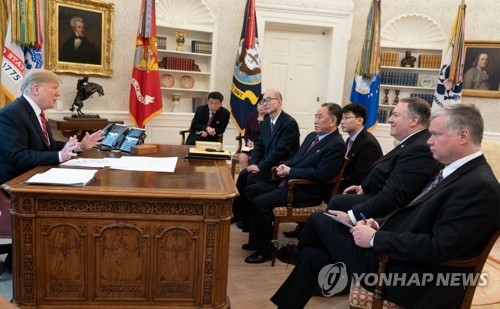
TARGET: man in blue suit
(278,141)
(319,158)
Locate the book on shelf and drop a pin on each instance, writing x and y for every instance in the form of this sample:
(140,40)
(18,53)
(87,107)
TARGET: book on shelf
(389,59)
(161,42)
(175,63)
(429,61)
(424,96)
(201,47)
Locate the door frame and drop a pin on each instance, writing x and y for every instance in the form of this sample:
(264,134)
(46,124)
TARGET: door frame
(337,26)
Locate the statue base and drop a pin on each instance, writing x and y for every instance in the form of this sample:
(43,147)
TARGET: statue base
(85,117)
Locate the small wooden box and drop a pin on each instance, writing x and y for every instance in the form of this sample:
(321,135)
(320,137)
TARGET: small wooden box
(143,149)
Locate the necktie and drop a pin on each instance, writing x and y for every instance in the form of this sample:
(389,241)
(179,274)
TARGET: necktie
(272,127)
(433,184)
(349,145)
(313,143)
(43,120)
(210,119)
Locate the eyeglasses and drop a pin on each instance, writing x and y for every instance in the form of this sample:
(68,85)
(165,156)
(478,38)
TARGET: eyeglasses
(348,117)
(267,100)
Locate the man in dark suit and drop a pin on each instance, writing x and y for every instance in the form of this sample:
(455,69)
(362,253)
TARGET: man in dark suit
(396,178)
(453,217)
(26,138)
(363,150)
(319,158)
(77,47)
(277,142)
(209,120)
(24,144)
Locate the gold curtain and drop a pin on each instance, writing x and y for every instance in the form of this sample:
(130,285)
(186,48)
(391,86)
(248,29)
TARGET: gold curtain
(4,19)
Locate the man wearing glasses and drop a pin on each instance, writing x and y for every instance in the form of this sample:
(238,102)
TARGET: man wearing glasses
(278,141)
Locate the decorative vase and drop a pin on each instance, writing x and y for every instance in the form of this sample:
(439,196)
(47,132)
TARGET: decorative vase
(176,97)
(180,38)
(396,98)
(386,98)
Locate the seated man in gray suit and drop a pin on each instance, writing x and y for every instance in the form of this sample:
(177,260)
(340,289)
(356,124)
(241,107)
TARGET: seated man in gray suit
(319,158)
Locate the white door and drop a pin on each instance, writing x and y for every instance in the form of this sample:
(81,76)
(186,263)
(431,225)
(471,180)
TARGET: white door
(294,63)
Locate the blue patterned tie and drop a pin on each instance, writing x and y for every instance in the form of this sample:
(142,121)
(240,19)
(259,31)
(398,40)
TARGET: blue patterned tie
(433,184)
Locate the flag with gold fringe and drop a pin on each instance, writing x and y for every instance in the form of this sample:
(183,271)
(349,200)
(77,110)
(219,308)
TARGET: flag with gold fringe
(23,45)
(246,86)
(449,86)
(145,93)
(366,84)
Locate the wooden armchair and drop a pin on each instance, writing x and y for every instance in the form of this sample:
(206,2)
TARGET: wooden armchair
(184,132)
(289,213)
(360,298)
(235,158)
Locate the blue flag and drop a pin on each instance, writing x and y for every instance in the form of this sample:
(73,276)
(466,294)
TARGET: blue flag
(366,84)
(246,86)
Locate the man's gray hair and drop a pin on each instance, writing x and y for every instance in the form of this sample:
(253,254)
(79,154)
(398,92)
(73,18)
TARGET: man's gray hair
(463,116)
(420,108)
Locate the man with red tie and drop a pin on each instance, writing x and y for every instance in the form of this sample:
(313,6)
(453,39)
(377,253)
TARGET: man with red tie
(27,140)
(209,120)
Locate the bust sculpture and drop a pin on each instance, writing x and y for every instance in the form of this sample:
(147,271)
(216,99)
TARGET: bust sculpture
(408,61)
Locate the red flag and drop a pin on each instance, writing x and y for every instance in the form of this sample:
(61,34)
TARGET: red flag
(145,92)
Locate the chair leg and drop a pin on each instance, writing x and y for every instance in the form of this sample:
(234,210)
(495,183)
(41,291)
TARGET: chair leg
(276,228)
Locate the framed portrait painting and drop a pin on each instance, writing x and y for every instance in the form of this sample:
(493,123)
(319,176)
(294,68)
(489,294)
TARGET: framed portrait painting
(481,69)
(79,37)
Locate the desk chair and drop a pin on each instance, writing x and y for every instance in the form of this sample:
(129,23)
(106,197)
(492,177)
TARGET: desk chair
(184,132)
(289,213)
(5,225)
(235,158)
(360,298)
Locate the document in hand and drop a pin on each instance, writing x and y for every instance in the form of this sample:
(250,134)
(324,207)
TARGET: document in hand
(63,176)
(336,218)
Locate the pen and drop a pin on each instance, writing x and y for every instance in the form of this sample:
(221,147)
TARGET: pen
(363,217)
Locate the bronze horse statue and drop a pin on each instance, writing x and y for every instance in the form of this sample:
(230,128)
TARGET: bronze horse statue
(85,91)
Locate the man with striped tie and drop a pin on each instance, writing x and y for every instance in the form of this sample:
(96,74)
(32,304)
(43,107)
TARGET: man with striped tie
(27,140)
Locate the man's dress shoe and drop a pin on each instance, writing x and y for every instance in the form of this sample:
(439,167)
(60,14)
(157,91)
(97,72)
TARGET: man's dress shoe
(286,253)
(260,256)
(248,247)
(294,233)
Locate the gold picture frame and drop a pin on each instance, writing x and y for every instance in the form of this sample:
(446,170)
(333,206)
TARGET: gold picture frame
(476,83)
(61,53)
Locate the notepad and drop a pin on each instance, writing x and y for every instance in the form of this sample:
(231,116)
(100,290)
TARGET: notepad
(63,176)
(336,218)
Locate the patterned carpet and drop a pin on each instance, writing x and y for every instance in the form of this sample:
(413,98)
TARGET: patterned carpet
(488,297)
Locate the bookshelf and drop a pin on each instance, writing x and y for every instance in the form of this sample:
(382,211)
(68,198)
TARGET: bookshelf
(188,72)
(423,37)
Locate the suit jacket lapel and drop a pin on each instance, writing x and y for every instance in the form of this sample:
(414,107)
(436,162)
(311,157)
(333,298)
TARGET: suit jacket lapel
(36,123)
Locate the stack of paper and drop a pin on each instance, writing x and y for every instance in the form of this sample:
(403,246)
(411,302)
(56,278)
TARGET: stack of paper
(63,176)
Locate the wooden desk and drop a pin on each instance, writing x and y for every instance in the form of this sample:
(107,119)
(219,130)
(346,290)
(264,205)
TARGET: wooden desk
(78,127)
(126,240)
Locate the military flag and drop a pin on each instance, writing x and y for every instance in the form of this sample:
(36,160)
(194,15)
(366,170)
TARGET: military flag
(246,86)
(366,84)
(23,45)
(145,93)
(449,86)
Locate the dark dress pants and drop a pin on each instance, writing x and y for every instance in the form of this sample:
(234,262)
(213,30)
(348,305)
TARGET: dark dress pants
(323,241)
(240,203)
(344,202)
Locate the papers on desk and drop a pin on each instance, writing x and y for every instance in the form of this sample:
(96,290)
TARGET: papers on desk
(334,217)
(62,176)
(154,164)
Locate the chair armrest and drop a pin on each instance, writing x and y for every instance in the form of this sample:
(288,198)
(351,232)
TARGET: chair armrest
(240,138)
(183,134)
